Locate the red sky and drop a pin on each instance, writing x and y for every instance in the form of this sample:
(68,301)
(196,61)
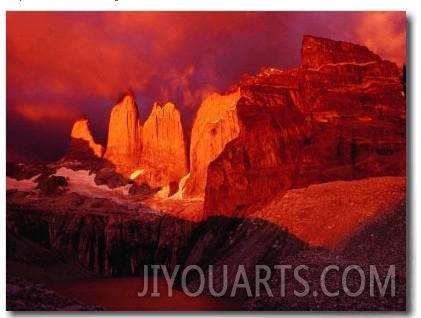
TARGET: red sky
(63,65)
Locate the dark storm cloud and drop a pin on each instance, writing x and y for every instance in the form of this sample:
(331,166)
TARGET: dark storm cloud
(63,65)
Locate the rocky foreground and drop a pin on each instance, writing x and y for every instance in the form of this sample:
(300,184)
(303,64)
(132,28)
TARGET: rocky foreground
(112,239)
(22,295)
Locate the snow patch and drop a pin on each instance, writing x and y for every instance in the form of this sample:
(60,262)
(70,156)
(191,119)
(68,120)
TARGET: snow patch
(135,174)
(163,193)
(22,185)
(83,182)
(181,187)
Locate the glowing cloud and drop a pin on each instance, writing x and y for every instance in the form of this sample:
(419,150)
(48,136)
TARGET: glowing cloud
(38,113)
(78,63)
(384,33)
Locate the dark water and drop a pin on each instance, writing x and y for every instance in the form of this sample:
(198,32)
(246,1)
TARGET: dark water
(118,294)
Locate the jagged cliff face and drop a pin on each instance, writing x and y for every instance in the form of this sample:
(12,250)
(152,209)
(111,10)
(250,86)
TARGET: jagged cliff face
(216,124)
(124,146)
(154,154)
(317,52)
(341,116)
(164,156)
(262,161)
(82,145)
(104,237)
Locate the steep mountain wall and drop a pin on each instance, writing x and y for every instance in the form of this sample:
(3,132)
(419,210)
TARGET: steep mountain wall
(216,124)
(334,118)
(124,145)
(164,157)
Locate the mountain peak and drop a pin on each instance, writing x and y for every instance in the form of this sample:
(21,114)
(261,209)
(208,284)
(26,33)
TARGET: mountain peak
(167,108)
(164,149)
(82,143)
(124,144)
(319,51)
(127,103)
(127,93)
(215,125)
(81,129)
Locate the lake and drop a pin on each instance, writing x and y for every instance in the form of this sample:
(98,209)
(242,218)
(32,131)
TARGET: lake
(120,294)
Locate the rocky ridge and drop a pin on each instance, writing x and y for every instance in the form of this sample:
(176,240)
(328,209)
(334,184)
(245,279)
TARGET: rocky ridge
(331,119)
(105,237)
(339,116)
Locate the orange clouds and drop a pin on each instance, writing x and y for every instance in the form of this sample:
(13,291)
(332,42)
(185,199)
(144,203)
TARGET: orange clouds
(42,112)
(64,49)
(64,64)
(384,33)
(105,53)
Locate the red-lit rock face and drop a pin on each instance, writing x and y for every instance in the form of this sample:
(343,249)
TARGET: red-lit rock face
(124,146)
(317,52)
(215,125)
(164,156)
(82,145)
(340,116)
(331,119)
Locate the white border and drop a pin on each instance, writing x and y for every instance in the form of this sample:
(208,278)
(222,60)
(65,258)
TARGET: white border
(409,6)
(218,5)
